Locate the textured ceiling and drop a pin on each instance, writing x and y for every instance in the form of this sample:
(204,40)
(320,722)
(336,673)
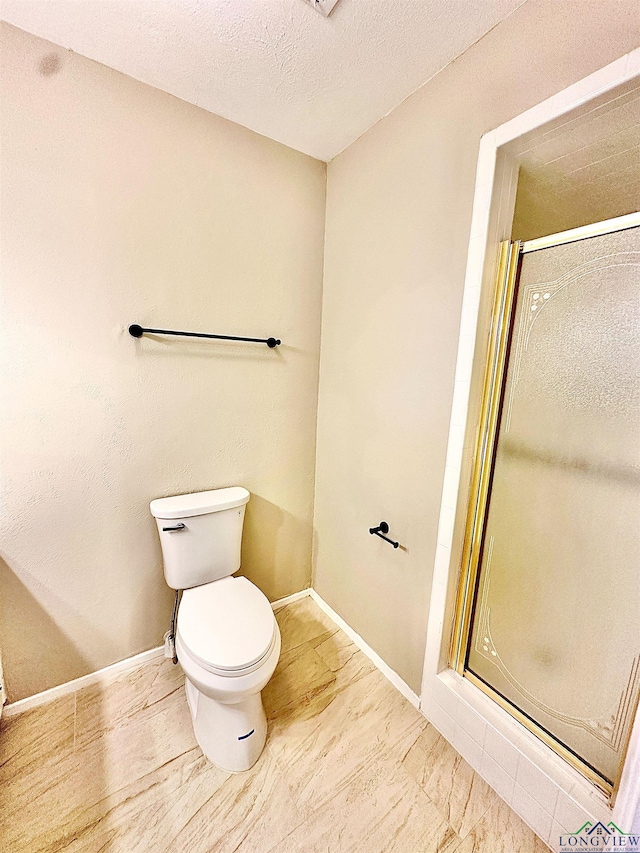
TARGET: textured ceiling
(275,66)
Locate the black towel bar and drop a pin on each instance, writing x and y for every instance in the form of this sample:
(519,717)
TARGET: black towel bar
(137,331)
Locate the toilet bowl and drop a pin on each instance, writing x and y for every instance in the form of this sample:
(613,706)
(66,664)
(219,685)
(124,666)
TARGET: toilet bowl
(227,638)
(228,644)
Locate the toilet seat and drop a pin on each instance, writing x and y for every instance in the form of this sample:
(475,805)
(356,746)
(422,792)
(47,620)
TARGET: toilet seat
(227,627)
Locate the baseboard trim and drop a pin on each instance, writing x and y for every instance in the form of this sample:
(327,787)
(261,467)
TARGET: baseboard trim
(21,705)
(289,599)
(68,687)
(364,647)
(127,664)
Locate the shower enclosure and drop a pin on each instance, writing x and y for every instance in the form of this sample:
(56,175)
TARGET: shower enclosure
(548,612)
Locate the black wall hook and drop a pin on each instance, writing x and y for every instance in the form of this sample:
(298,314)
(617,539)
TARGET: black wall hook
(380,531)
(137,331)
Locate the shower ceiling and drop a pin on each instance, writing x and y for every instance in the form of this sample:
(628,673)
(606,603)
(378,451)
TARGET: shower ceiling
(277,67)
(584,169)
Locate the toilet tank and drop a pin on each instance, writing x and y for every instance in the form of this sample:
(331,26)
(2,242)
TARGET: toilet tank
(200,535)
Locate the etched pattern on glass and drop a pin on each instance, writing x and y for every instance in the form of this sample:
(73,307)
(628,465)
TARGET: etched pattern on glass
(556,627)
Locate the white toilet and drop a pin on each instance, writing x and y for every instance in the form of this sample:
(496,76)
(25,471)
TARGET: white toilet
(227,638)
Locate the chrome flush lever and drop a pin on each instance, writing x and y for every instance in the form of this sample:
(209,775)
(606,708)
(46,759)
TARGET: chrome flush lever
(172,529)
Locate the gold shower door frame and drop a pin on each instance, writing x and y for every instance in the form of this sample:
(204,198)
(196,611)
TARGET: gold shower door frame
(494,379)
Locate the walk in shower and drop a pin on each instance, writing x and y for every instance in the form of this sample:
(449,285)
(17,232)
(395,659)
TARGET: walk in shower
(548,612)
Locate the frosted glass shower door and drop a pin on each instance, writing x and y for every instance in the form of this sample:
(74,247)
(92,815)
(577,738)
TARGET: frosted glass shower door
(555,626)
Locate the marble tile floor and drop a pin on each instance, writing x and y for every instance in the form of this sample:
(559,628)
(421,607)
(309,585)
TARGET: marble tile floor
(349,765)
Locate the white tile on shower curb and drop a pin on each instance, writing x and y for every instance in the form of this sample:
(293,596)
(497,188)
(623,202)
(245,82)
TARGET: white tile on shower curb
(471,723)
(543,789)
(569,814)
(501,782)
(501,751)
(554,835)
(447,700)
(468,748)
(442,721)
(426,703)
(531,812)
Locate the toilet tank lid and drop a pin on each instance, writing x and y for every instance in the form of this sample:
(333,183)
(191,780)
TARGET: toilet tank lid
(199,503)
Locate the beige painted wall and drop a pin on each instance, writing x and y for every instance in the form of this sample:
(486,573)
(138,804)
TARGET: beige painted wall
(122,204)
(398,216)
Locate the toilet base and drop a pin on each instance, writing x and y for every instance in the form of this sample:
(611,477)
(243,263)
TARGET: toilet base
(231,736)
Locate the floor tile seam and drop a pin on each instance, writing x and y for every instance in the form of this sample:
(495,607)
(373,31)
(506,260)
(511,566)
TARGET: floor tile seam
(351,780)
(21,751)
(403,770)
(72,830)
(494,803)
(140,717)
(301,819)
(27,746)
(87,738)
(72,835)
(355,680)
(283,839)
(314,813)
(132,789)
(308,644)
(423,794)
(290,706)
(458,842)
(122,677)
(313,693)
(162,698)
(335,672)
(338,694)
(290,709)
(324,635)
(307,814)
(55,757)
(443,815)
(357,653)
(173,794)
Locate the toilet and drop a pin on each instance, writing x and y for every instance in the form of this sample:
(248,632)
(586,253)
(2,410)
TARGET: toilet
(227,638)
